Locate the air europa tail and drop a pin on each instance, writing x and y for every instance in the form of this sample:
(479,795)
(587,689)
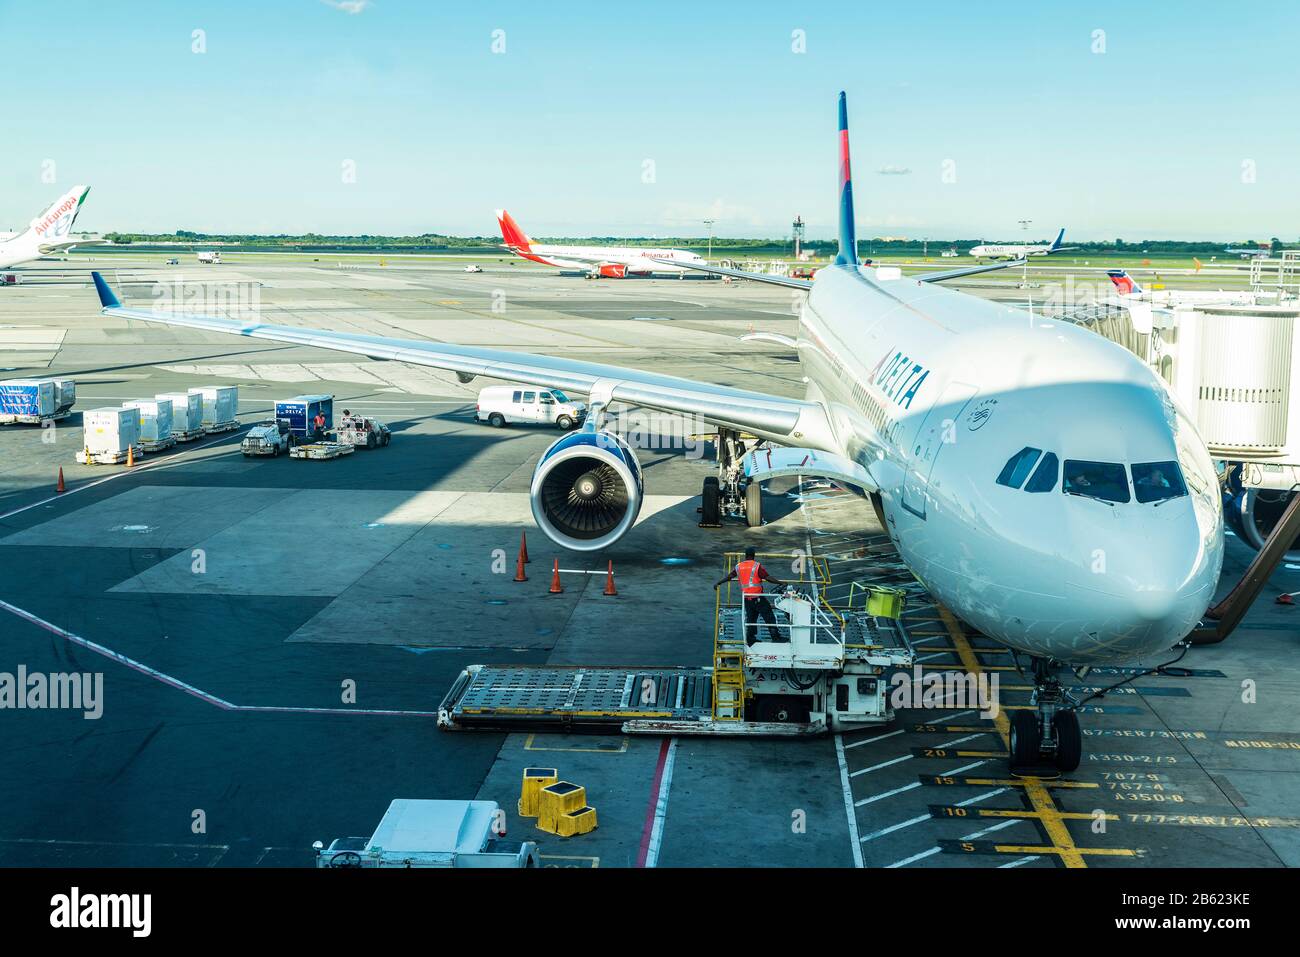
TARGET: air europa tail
(56,222)
(515,237)
(848,254)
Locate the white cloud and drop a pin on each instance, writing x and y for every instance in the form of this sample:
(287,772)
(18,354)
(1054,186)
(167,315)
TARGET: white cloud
(347,6)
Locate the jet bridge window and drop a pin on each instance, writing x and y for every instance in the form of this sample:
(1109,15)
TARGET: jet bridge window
(1017,468)
(1044,477)
(1157,481)
(1106,481)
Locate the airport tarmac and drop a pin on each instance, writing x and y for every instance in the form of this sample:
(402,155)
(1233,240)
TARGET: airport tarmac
(274,635)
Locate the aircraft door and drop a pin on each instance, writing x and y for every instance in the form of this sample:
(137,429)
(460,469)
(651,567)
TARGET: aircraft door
(938,428)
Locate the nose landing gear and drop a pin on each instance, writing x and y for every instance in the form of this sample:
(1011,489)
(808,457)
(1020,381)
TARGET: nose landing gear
(1048,734)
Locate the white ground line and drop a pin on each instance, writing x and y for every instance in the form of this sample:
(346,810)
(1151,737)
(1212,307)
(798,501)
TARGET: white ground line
(661,807)
(925,817)
(879,737)
(908,757)
(965,837)
(1018,861)
(915,784)
(856,842)
(155,465)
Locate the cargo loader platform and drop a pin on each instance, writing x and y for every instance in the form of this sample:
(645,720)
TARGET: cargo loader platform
(820,670)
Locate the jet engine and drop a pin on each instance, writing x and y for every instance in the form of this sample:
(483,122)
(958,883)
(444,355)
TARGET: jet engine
(587,490)
(611,271)
(1254,512)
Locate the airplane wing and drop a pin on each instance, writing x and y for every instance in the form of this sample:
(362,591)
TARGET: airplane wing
(807,283)
(965,271)
(740,274)
(789,421)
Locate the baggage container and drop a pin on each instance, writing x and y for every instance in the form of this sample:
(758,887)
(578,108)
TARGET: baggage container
(220,407)
(301,410)
(109,434)
(187,414)
(155,422)
(27,400)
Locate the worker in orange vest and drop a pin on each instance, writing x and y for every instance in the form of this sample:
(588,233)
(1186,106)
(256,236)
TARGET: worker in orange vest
(751,576)
(318,424)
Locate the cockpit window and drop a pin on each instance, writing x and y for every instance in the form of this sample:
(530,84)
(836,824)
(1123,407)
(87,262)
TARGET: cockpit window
(1157,481)
(1106,481)
(1044,477)
(1017,468)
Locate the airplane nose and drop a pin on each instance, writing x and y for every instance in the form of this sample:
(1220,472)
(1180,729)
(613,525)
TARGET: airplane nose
(1154,604)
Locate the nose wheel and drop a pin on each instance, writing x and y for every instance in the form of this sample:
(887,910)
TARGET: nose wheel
(1047,737)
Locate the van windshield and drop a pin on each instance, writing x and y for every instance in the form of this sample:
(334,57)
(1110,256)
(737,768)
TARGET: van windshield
(559,396)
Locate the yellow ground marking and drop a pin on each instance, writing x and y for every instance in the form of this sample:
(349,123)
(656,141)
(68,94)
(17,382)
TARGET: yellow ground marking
(1039,797)
(1073,851)
(530,746)
(1020,782)
(595,861)
(1021,812)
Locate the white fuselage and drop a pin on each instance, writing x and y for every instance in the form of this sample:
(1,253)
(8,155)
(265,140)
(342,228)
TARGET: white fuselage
(933,391)
(636,259)
(1007,251)
(27,248)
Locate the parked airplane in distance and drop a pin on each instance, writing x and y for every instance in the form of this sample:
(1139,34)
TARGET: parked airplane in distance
(1039,480)
(1018,250)
(48,233)
(608,262)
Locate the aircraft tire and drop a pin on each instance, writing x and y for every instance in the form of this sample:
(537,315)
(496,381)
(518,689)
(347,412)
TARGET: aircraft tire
(1024,739)
(1069,741)
(710,506)
(753,504)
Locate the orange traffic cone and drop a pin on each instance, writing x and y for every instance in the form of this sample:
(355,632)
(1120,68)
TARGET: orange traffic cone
(556,587)
(60,488)
(609,581)
(523,547)
(130,456)
(519,570)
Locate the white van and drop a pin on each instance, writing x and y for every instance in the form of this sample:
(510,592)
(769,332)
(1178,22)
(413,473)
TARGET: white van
(499,404)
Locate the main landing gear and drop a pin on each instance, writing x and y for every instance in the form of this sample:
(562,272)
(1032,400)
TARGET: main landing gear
(1049,733)
(729,494)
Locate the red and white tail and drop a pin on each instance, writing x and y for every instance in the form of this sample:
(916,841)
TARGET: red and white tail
(1125,285)
(515,237)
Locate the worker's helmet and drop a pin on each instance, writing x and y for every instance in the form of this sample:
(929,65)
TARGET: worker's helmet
(750,553)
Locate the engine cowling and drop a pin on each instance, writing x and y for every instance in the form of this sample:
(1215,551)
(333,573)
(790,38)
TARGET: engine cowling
(1254,512)
(587,490)
(612,271)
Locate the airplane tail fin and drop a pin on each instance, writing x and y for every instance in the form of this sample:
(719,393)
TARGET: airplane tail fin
(1125,284)
(848,253)
(1056,243)
(107,298)
(510,231)
(56,222)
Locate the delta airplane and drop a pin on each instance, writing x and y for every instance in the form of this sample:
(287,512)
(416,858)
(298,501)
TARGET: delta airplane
(609,262)
(1018,250)
(48,233)
(1038,479)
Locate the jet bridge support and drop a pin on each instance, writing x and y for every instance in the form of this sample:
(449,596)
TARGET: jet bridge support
(1228,613)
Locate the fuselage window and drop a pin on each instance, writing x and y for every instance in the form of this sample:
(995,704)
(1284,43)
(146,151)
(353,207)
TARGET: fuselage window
(1044,477)
(1157,481)
(1017,468)
(1106,481)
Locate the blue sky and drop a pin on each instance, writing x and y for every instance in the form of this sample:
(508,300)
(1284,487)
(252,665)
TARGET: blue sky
(1145,140)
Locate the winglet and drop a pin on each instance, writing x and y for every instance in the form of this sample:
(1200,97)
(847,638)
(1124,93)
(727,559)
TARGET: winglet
(107,298)
(848,254)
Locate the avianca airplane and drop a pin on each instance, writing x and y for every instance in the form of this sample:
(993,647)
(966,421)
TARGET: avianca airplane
(610,262)
(1037,478)
(48,233)
(1018,250)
